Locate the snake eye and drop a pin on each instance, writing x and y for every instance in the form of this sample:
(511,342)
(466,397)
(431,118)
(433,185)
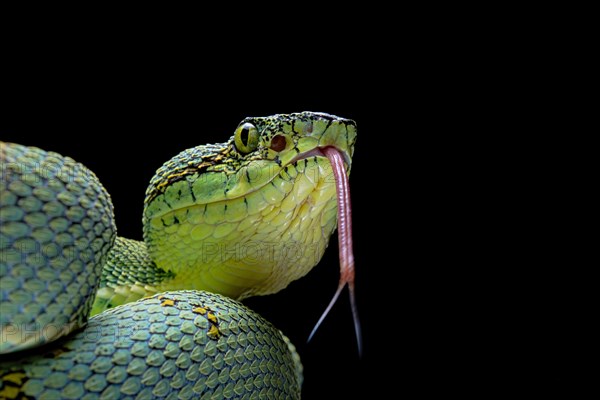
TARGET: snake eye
(246,138)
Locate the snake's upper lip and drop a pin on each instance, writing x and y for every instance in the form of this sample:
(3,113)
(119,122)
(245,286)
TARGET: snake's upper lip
(317,151)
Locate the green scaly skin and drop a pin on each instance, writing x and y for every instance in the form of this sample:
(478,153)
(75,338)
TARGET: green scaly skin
(204,211)
(177,345)
(56,229)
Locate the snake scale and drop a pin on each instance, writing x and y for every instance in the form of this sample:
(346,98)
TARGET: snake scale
(222,222)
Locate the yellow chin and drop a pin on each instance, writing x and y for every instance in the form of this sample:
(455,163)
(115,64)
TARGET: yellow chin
(254,244)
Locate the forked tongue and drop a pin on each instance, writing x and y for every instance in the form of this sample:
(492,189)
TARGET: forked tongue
(345,240)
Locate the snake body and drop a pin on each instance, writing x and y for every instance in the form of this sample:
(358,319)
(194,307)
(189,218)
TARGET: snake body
(221,222)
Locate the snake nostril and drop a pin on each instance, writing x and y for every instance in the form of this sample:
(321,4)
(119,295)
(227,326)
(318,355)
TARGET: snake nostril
(278,143)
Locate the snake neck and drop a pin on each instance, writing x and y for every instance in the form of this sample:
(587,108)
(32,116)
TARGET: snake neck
(252,245)
(128,274)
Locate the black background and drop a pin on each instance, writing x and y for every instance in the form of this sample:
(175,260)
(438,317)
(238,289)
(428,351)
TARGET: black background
(126,134)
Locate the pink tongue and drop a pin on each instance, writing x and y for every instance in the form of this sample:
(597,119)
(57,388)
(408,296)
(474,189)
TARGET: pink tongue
(344,238)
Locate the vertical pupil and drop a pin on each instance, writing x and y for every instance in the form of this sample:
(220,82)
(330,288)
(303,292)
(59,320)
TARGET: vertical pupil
(244,135)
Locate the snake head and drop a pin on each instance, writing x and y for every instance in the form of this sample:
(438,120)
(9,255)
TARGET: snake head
(248,216)
(259,149)
(288,138)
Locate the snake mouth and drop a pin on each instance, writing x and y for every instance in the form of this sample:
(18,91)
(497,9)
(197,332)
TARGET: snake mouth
(320,152)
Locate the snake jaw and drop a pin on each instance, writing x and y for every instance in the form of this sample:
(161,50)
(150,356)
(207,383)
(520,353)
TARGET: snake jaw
(319,152)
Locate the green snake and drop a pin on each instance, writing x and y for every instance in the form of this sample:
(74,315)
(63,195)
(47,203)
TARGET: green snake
(221,223)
